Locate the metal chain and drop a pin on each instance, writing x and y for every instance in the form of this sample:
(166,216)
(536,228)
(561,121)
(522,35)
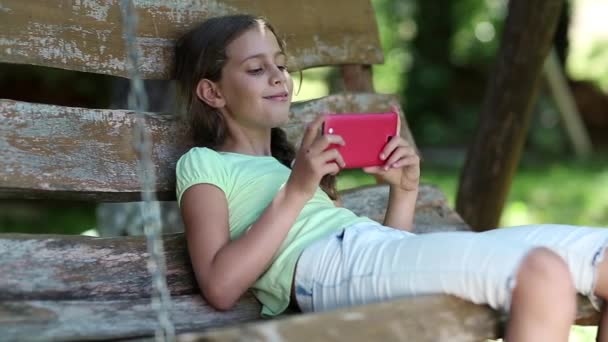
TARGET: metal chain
(138,102)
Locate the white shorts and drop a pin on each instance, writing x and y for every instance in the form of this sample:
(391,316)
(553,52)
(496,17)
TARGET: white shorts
(368,263)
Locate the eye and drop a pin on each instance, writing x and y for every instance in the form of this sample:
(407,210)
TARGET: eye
(282,67)
(256,71)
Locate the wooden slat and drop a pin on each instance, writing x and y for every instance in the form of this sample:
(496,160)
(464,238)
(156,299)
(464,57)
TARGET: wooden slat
(87,35)
(97,320)
(77,153)
(433,214)
(425,318)
(421,319)
(79,267)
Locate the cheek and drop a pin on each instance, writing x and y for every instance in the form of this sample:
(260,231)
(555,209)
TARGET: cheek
(290,85)
(243,91)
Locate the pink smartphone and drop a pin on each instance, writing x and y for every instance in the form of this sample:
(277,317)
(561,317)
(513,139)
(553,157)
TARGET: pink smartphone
(365,135)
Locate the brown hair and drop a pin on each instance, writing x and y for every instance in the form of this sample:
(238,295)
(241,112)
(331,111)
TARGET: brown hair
(201,54)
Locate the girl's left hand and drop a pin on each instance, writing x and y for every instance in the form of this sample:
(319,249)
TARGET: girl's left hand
(402,165)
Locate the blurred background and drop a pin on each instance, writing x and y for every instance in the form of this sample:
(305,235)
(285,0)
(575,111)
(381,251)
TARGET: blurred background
(438,55)
(437,59)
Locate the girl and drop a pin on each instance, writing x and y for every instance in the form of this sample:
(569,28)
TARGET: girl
(254,221)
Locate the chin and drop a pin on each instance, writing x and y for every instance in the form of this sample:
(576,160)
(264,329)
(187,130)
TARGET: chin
(282,121)
(280,118)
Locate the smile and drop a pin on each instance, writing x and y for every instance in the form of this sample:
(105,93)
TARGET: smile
(282,97)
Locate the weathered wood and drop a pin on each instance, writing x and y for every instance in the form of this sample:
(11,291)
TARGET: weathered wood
(64,267)
(75,267)
(107,319)
(424,318)
(432,214)
(420,319)
(505,116)
(76,153)
(87,35)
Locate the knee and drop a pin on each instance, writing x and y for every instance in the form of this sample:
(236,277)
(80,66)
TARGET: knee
(545,273)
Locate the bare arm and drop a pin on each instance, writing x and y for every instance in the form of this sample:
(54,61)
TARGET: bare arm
(225,269)
(400,209)
(402,171)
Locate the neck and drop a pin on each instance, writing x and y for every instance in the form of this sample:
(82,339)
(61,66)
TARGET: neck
(247,141)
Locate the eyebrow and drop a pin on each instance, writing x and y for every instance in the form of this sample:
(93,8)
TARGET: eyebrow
(262,55)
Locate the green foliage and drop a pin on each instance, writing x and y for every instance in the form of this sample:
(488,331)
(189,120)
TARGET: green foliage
(590,62)
(438,56)
(477,28)
(41,217)
(397,28)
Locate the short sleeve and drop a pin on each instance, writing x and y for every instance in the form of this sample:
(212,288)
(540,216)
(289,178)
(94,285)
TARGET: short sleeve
(199,166)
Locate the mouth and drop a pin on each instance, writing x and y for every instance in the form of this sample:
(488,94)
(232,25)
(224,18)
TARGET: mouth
(283,96)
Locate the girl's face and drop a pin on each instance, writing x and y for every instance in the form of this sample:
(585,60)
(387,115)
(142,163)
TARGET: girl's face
(255,83)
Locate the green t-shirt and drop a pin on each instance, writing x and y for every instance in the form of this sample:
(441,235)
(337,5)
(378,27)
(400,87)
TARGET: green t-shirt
(250,183)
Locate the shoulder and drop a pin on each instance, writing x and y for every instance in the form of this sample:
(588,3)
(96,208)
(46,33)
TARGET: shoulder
(200,165)
(198,161)
(198,153)
(197,157)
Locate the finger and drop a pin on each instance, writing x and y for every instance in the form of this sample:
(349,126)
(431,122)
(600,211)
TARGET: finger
(402,144)
(400,151)
(398,154)
(332,155)
(390,147)
(395,110)
(312,131)
(407,160)
(330,168)
(323,142)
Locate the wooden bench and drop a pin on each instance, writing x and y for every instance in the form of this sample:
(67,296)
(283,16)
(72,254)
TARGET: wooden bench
(83,288)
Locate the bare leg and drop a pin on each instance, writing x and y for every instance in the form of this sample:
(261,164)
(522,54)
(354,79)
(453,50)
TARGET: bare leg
(543,305)
(601,290)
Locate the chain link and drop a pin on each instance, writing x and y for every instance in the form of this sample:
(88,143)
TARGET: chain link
(142,143)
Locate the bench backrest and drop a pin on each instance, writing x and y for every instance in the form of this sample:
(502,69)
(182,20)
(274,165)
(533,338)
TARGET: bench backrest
(78,153)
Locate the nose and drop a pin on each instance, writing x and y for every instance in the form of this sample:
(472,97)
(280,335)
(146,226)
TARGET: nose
(277,76)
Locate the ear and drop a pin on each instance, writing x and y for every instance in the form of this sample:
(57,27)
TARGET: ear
(208,92)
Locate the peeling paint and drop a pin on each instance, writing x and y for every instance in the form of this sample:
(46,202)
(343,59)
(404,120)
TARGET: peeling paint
(92,41)
(95,8)
(189,10)
(48,148)
(270,332)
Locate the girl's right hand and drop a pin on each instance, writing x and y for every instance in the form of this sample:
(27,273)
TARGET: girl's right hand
(313,160)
